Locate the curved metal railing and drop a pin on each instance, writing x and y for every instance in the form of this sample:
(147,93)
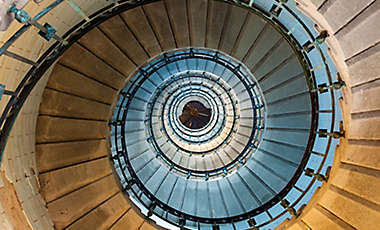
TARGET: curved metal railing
(282,14)
(208,55)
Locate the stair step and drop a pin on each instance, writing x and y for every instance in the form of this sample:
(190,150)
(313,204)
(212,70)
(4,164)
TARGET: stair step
(104,216)
(100,45)
(159,20)
(139,25)
(53,129)
(55,103)
(71,82)
(81,60)
(116,29)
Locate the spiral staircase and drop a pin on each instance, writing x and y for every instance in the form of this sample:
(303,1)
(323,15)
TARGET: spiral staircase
(121,140)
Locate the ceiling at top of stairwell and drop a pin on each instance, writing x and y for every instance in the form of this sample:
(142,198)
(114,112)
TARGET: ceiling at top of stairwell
(195,115)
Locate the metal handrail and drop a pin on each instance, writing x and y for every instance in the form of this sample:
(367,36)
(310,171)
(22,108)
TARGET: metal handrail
(161,62)
(312,84)
(40,66)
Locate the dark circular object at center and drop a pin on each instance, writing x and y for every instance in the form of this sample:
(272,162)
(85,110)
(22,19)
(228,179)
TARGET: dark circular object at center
(195,115)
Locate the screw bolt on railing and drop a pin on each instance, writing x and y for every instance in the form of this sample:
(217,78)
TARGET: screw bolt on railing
(116,123)
(259,106)
(276,9)
(309,46)
(323,88)
(182,222)
(321,37)
(237,68)
(129,184)
(21,15)
(2,90)
(336,134)
(251,86)
(117,155)
(225,172)
(285,204)
(125,94)
(158,155)
(152,206)
(215,227)
(252,223)
(310,172)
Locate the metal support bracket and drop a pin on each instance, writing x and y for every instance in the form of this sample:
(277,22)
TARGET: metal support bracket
(151,208)
(323,88)
(309,46)
(2,90)
(286,205)
(252,223)
(336,134)
(320,177)
(276,9)
(46,31)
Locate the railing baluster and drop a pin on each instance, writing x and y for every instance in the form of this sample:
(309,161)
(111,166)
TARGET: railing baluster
(78,10)
(20,58)
(46,30)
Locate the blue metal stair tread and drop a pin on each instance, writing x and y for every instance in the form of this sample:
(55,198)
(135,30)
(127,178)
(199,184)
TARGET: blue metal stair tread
(294,87)
(138,102)
(178,191)
(255,25)
(203,206)
(234,205)
(269,37)
(281,53)
(216,201)
(301,121)
(155,182)
(261,193)
(279,165)
(134,115)
(244,193)
(298,102)
(134,125)
(292,153)
(142,161)
(165,191)
(287,71)
(190,198)
(291,137)
(272,181)
(143,92)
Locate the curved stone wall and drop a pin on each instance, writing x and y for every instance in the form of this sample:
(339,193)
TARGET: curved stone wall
(351,198)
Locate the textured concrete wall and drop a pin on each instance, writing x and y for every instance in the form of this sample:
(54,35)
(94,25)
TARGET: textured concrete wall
(19,160)
(351,198)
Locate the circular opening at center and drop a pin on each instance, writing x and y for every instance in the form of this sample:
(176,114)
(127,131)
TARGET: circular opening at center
(195,115)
